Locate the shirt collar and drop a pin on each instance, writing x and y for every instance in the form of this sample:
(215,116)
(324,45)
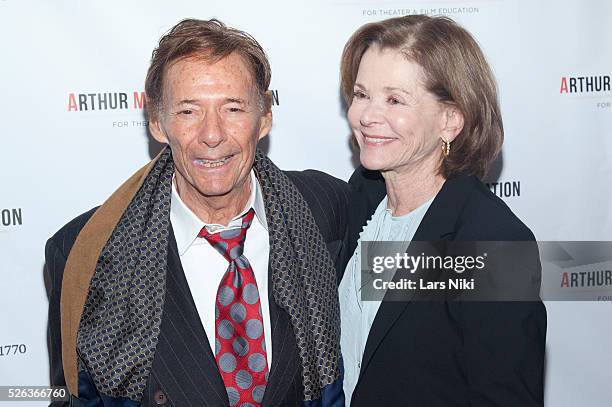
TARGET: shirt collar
(187,225)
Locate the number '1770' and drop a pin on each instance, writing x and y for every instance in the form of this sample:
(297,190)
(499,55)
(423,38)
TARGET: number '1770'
(7,350)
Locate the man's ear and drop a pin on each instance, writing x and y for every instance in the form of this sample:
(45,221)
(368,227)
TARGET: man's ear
(265,123)
(452,123)
(156,129)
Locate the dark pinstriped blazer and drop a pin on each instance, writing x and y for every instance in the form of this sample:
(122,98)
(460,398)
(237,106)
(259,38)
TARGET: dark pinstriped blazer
(184,370)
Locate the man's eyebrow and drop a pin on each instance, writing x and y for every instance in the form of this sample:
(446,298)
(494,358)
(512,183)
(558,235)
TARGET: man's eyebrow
(226,100)
(187,102)
(236,100)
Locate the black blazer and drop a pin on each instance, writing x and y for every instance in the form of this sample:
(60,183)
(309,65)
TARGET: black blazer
(184,369)
(445,353)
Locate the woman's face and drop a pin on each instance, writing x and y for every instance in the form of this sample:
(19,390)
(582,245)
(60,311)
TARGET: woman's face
(396,121)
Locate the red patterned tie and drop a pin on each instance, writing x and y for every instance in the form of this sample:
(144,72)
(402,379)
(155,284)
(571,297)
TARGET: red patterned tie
(240,348)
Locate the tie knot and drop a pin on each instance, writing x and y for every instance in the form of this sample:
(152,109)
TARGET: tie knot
(230,243)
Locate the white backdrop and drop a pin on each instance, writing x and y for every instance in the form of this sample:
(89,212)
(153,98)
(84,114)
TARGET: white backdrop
(555,170)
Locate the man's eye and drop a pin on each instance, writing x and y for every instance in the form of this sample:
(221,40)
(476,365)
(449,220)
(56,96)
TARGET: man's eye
(235,109)
(186,111)
(393,101)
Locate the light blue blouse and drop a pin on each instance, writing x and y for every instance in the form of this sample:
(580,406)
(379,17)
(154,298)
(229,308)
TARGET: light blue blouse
(356,315)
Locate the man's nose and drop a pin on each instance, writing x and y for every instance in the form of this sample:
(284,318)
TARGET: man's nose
(211,129)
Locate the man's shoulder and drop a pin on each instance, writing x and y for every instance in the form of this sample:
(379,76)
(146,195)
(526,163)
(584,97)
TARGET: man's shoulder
(64,238)
(315,180)
(328,199)
(369,187)
(320,188)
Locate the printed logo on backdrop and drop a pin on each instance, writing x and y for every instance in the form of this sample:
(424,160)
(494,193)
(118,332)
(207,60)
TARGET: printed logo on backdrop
(94,104)
(589,87)
(505,189)
(382,13)
(10,218)
(432,7)
(577,270)
(103,102)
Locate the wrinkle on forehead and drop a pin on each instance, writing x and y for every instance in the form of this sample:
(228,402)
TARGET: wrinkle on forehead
(227,78)
(400,73)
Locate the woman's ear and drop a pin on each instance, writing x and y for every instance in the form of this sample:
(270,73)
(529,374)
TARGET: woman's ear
(452,123)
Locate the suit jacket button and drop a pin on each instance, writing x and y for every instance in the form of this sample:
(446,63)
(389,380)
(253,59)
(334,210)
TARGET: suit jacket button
(160,397)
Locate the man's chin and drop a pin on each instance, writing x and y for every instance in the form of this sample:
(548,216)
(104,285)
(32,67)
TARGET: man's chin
(222,188)
(216,192)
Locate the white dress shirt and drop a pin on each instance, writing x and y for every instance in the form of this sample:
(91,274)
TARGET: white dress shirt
(204,266)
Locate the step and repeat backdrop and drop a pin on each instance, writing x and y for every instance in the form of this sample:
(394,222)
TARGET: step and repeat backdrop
(73,128)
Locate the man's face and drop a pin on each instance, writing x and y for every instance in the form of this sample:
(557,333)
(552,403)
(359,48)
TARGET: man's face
(212,119)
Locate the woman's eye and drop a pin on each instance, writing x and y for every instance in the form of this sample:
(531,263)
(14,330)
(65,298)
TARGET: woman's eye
(393,101)
(358,95)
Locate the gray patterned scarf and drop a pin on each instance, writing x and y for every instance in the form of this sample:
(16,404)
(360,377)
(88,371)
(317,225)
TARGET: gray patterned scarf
(121,319)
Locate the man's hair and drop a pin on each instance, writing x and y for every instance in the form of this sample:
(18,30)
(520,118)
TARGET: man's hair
(210,40)
(456,72)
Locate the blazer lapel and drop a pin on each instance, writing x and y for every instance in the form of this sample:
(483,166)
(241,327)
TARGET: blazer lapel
(285,355)
(439,223)
(184,369)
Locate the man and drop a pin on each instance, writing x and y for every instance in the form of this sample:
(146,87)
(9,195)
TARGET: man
(160,296)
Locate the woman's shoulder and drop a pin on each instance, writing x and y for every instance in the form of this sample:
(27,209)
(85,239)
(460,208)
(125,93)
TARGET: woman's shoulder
(485,216)
(464,205)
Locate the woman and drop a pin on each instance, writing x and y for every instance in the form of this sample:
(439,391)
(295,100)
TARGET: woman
(422,104)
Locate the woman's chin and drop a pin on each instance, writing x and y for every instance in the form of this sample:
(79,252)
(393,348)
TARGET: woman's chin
(373,163)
